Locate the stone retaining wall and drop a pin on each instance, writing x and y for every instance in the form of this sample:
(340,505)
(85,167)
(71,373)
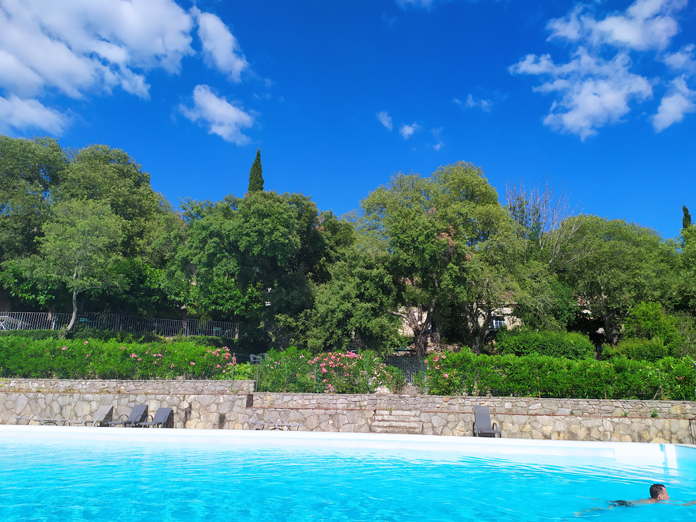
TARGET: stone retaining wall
(229,405)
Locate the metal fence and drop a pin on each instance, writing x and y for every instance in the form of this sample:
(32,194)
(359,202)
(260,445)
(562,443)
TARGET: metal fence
(411,366)
(117,323)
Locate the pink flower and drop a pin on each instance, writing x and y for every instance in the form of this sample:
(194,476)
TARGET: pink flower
(64,348)
(172,366)
(192,363)
(223,371)
(133,356)
(446,376)
(123,347)
(139,359)
(218,366)
(88,355)
(86,342)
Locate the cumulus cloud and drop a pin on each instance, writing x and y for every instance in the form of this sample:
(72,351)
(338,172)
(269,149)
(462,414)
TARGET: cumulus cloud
(437,134)
(408,130)
(682,60)
(220,47)
(472,102)
(78,47)
(646,24)
(415,3)
(597,86)
(74,46)
(678,101)
(218,115)
(385,119)
(18,114)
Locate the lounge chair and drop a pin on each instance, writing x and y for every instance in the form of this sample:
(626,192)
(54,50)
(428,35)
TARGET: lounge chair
(137,415)
(482,423)
(279,424)
(49,419)
(164,418)
(100,418)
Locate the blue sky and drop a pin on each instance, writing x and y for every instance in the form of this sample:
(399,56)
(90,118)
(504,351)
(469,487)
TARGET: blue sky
(597,97)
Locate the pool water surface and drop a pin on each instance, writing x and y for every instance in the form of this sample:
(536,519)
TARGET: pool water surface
(71,474)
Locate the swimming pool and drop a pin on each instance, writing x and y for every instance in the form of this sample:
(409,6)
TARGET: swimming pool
(66,474)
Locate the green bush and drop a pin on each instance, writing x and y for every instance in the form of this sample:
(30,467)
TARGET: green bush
(553,344)
(540,376)
(31,334)
(638,350)
(97,359)
(299,371)
(649,321)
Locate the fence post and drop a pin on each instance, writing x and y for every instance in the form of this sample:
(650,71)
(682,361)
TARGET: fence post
(316,378)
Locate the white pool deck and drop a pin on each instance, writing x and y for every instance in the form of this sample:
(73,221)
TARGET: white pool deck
(626,453)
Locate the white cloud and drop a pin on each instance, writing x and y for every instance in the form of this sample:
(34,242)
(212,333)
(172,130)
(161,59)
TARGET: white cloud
(682,60)
(18,114)
(593,92)
(597,86)
(415,3)
(437,134)
(80,47)
(75,45)
(385,119)
(220,47)
(646,24)
(471,102)
(679,101)
(219,115)
(407,130)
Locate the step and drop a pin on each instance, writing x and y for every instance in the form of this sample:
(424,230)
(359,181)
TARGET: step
(408,431)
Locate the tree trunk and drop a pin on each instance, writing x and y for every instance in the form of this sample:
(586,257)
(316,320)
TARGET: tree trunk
(74,311)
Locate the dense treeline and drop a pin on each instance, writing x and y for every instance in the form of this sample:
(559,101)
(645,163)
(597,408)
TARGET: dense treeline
(442,256)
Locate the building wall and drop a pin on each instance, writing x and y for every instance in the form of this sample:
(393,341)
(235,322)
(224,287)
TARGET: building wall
(232,405)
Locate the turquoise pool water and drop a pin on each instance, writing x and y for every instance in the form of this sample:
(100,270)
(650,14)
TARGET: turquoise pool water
(66,474)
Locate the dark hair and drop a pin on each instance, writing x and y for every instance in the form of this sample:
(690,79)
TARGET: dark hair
(655,490)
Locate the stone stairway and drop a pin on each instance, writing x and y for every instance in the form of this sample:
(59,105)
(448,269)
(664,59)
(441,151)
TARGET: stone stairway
(397,421)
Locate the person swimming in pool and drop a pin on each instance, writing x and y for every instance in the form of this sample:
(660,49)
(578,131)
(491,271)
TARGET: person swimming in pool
(658,493)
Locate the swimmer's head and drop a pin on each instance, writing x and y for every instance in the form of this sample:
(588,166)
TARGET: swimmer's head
(658,492)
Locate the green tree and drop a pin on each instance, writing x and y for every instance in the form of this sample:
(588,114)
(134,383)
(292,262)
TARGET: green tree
(30,170)
(350,309)
(108,175)
(622,264)
(686,220)
(77,250)
(256,175)
(447,241)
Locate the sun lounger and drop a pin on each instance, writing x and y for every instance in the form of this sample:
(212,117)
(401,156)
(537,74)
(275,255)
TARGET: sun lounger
(164,418)
(35,417)
(482,423)
(279,424)
(137,415)
(100,418)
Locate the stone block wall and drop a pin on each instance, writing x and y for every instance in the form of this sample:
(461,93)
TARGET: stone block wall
(231,405)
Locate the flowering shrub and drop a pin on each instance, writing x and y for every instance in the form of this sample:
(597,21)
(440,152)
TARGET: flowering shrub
(95,359)
(334,372)
(540,376)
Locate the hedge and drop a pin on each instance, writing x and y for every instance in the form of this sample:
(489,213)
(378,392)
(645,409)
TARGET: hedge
(638,350)
(98,359)
(553,344)
(289,371)
(540,376)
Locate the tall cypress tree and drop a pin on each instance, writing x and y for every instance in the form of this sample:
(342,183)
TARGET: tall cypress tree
(256,175)
(686,220)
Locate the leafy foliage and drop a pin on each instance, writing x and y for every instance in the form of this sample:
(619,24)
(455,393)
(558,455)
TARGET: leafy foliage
(256,175)
(553,344)
(542,376)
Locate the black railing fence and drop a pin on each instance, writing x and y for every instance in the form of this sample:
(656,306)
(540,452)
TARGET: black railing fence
(117,323)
